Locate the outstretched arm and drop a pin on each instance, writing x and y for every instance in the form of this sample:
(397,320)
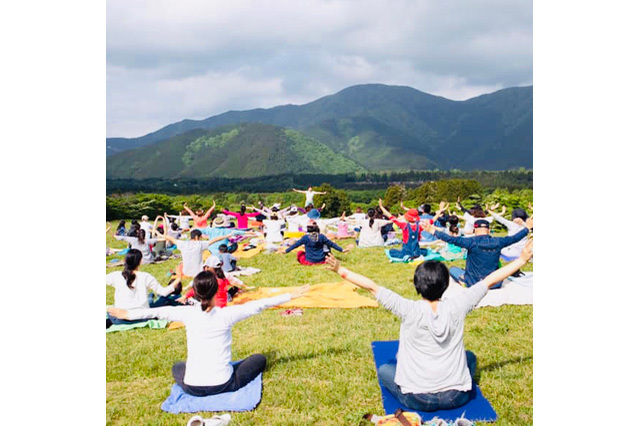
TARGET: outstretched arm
(405,208)
(211,209)
(509,269)
(191,213)
(360,280)
(384,211)
(297,190)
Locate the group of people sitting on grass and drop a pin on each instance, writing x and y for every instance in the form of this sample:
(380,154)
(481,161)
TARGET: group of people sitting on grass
(433,370)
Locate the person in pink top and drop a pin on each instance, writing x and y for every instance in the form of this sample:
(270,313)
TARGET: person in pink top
(242,217)
(199,217)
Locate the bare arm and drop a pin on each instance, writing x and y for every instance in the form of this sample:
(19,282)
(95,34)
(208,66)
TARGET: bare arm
(405,208)
(191,213)
(359,280)
(384,211)
(211,209)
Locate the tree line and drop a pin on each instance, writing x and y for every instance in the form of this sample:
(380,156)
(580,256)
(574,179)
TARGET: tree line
(510,179)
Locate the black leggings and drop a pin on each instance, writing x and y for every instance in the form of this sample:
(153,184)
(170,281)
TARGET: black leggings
(243,372)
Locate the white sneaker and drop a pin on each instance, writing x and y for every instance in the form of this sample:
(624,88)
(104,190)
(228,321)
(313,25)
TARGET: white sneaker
(222,420)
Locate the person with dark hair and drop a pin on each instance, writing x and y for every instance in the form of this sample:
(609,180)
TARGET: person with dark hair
(314,243)
(433,371)
(483,250)
(242,217)
(516,224)
(229,261)
(141,241)
(370,230)
(200,217)
(192,251)
(470,216)
(226,289)
(133,230)
(121,230)
(208,369)
(308,195)
(132,286)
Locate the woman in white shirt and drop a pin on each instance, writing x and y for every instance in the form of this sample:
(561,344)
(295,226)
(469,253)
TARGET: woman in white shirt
(142,241)
(132,286)
(370,235)
(208,369)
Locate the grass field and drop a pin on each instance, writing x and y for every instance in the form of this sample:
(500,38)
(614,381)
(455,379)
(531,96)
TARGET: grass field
(320,367)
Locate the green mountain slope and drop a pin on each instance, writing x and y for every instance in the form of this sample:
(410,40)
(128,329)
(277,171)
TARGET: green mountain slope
(396,128)
(234,151)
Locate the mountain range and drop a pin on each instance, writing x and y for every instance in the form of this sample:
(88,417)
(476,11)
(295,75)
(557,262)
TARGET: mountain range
(371,127)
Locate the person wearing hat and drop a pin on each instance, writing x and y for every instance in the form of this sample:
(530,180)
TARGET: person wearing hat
(145,224)
(483,250)
(411,230)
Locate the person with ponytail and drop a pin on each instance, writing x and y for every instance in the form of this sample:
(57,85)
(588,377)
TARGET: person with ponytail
(314,244)
(132,286)
(370,230)
(141,241)
(208,369)
(243,217)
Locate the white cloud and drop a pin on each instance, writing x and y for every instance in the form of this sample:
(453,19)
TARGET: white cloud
(170,60)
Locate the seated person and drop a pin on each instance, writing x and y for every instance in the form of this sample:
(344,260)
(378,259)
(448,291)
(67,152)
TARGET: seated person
(433,370)
(314,244)
(208,369)
(483,250)
(132,287)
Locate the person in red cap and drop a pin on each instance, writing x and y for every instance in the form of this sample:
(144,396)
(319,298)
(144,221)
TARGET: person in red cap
(411,230)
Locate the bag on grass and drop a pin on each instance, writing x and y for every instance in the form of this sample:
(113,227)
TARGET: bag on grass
(399,418)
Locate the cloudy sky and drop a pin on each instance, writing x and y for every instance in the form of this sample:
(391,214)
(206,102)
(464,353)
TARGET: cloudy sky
(171,60)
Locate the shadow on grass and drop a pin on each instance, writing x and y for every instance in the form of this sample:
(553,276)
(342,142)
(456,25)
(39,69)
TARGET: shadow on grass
(273,357)
(498,365)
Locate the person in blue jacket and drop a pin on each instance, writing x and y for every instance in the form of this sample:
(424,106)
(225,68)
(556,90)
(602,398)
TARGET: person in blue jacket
(314,246)
(483,250)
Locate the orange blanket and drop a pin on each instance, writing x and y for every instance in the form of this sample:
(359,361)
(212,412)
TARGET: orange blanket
(326,295)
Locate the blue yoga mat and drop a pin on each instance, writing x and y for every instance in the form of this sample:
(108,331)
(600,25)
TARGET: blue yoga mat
(244,399)
(477,409)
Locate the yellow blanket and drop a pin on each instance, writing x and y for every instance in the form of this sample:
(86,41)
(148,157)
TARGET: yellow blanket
(240,254)
(326,295)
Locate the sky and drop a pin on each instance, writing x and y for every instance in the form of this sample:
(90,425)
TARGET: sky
(172,60)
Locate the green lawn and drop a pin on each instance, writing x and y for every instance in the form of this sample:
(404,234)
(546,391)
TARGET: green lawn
(320,365)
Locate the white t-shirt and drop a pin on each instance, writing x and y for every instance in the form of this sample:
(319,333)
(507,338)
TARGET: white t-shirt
(147,255)
(358,216)
(308,197)
(272,230)
(192,256)
(371,237)
(209,336)
(183,221)
(136,298)
(295,223)
(147,228)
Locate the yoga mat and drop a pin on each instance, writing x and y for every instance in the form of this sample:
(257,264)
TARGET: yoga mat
(400,260)
(244,399)
(326,295)
(477,409)
(150,324)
